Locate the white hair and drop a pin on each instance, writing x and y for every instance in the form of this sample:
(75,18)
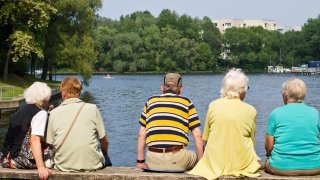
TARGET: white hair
(234,83)
(295,89)
(37,93)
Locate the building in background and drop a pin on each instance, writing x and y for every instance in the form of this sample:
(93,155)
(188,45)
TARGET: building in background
(223,24)
(283,29)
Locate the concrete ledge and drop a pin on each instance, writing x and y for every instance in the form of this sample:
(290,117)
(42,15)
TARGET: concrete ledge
(130,173)
(19,101)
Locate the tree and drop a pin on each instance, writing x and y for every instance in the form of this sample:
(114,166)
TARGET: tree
(203,57)
(79,55)
(73,17)
(311,32)
(21,21)
(167,19)
(212,36)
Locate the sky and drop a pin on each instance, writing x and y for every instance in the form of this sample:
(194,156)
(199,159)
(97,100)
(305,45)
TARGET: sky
(283,12)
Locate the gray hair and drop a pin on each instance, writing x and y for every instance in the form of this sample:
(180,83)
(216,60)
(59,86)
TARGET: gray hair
(295,89)
(234,83)
(37,93)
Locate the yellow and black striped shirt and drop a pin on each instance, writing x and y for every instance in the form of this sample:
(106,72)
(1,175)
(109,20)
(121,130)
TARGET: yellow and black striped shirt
(167,119)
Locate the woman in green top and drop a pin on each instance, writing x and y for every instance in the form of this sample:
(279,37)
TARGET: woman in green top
(292,139)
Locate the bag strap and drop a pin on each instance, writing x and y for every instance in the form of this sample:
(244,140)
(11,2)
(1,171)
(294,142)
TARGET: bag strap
(68,132)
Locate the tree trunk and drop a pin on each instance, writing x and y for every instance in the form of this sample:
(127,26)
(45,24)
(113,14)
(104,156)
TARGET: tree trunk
(32,66)
(5,69)
(44,69)
(6,64)
(50,71)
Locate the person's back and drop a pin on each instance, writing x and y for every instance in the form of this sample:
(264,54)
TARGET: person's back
(292,139)
(229,131)
(297,144)
(80,150)
(74,129)
(165,123)
(234,122)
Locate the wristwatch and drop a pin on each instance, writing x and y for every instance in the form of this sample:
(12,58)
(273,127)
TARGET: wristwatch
(140,161)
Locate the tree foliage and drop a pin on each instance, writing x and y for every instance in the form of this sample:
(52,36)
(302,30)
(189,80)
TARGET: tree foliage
(21,24)
(141,42)
(67,33)
(71,28)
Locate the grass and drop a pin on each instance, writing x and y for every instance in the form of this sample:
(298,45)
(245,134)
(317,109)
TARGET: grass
(16,85)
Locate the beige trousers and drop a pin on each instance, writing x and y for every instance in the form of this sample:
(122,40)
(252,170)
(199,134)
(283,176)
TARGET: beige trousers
(279,172)
(173,161)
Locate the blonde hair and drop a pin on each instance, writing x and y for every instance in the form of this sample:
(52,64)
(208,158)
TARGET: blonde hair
(71,87)
(234,83)
(295,89)
(37,93)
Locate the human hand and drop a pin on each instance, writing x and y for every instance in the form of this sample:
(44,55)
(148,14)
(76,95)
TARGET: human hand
(107,161)
(44,172)
(51,107)
(141,165)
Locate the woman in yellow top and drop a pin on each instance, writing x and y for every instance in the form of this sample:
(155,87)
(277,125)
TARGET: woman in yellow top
(229,132)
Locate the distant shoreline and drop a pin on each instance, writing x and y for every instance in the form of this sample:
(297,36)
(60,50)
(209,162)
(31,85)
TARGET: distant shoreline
(156,73)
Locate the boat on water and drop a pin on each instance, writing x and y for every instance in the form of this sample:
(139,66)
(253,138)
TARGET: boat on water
(108,77)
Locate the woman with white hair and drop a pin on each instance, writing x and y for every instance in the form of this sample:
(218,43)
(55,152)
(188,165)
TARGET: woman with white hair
(22,145)
(229,132)
(292,139)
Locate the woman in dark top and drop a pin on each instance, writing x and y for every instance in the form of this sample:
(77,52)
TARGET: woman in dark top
(22,146)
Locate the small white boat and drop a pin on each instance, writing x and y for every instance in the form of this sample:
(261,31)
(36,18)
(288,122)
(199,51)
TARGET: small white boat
(108,77)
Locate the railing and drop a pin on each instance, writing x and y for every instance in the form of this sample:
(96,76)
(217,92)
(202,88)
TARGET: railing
(7,93)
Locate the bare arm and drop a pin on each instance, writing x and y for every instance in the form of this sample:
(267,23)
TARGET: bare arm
(140,147)
(35,144)
(104,146)
(196,132)
(269,144)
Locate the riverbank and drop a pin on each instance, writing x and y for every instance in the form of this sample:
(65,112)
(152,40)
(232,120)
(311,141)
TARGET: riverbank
(131,173)
(15,86)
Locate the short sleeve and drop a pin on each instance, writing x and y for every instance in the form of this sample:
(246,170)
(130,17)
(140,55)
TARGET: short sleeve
(271,124)
(100,126)
(194,120)
(38,123)
(142,120)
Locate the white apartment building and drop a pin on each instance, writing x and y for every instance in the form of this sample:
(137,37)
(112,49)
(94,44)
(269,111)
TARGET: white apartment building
(223,24)
(283,29)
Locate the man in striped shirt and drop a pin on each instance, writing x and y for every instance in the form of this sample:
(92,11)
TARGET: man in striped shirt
(165,122)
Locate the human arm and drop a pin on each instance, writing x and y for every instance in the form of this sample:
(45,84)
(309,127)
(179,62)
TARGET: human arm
(35,145)
(196,132)
(269,144)
(271,129)
(38,125)
(104,142)
(141,146)
(253,130)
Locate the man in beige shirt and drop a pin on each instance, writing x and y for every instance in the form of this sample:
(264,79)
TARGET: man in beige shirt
(80,151)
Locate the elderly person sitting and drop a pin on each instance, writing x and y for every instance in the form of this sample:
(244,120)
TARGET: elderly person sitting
(22,146)
(74,129)
(292,139)
(229,131)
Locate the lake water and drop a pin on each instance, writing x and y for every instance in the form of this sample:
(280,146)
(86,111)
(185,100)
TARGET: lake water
(121,100)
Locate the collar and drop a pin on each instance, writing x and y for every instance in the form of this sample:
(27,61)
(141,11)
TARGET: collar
(71,101)
(169,93)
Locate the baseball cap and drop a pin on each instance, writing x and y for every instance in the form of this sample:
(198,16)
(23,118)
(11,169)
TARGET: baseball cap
(172,79)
